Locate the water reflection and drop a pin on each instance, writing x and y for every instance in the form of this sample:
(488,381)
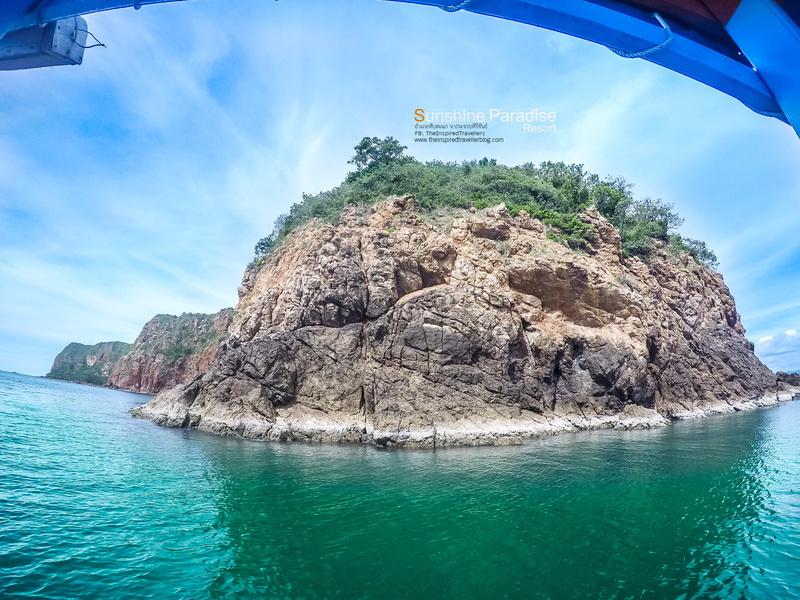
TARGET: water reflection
(94,504)
(681,511)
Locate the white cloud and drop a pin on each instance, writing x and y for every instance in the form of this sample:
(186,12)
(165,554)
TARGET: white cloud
(780,351)
(200,124)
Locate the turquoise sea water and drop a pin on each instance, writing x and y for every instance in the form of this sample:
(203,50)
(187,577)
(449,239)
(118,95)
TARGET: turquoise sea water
(95,504)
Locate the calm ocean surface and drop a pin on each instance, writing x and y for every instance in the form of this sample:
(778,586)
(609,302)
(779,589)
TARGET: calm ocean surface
(95,504)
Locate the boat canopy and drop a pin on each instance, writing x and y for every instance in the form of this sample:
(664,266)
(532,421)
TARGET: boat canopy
(748,49)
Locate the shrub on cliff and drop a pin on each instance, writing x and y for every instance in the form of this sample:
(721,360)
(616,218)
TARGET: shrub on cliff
(697,249)
(554,192)
(371,152)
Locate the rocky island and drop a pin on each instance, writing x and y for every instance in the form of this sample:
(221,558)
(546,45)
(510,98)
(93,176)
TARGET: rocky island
(169,350)
(485,305)
(88,364)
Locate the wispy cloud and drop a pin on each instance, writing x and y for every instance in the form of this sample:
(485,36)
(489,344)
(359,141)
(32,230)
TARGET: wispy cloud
(139,182)
(780,351)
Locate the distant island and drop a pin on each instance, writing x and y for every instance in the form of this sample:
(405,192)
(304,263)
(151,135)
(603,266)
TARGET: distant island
(792,379)
(435,304)
(93,364)
(168,351)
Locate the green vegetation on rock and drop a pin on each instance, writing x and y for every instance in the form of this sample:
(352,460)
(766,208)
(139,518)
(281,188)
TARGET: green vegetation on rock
(178,351)
(176,337)
(555,192)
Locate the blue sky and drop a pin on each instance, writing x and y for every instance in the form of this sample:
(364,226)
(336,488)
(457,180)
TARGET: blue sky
(139,182)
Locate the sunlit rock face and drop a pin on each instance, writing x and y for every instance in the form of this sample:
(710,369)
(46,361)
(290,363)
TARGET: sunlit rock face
(171,350)
(471,327)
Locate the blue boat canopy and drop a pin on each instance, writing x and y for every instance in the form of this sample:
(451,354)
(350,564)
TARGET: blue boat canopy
(748,49)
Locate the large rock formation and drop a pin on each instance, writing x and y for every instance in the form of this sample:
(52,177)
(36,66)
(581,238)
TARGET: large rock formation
(397,330)
(169,350)
(88,364)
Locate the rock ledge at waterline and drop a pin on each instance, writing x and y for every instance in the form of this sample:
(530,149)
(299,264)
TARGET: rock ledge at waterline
(473,328)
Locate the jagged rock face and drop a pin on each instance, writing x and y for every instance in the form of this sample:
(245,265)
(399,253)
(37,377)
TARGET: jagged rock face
(171,350)
(88,364)
(386,329)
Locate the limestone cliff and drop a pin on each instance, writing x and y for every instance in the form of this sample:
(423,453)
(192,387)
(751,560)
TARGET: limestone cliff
(171,350)
(475,328)
(88,364)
